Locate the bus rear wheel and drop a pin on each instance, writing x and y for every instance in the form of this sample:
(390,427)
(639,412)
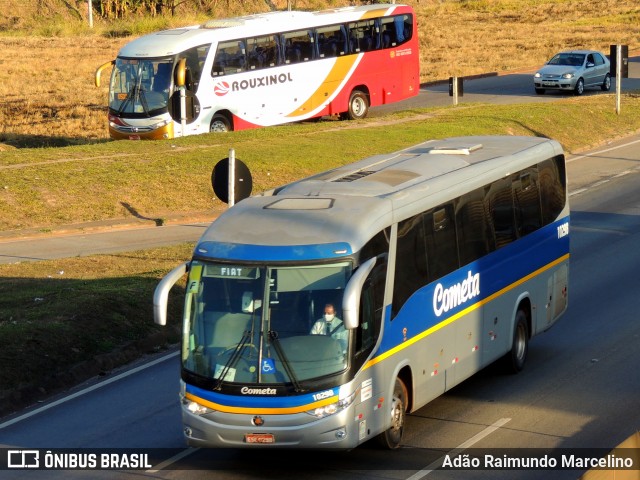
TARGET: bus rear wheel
(358,106)
(515,359)
(391,438)
(220,124)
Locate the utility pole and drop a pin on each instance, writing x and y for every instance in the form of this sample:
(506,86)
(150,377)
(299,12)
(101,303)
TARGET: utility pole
(90,6)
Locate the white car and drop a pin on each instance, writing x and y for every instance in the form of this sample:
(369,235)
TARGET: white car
(573,71)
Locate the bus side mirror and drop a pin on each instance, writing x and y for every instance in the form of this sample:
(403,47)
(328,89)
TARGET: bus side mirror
(181,73)
(161,294)
(351,299)
(99,71)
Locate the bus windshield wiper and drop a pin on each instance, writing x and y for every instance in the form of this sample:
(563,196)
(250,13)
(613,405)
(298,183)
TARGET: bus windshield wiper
(273,337)
(135,93)
(233,359)
(127,99)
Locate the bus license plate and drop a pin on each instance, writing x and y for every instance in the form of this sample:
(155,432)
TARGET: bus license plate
(259,438)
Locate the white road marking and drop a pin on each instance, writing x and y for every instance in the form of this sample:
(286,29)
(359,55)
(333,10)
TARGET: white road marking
(87,390)
(573,159)
(177,457)
(460,448)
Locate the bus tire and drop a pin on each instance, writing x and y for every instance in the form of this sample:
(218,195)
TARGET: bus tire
(220,124)
(392,437)
(515,359)
(358,106)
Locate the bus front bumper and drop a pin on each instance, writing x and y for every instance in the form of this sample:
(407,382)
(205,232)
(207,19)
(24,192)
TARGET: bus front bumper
(223,430)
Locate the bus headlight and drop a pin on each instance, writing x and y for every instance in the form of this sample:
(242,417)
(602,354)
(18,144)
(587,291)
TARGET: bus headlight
(333,408)
(195,407)
(161,124)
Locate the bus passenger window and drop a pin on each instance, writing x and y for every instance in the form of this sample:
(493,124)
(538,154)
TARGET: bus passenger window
(552,190)
(440,236)
(527,202)
(500,206)
(331,41)
(229,58)
(472,225)
(363,36)
(262,52)
(298,47)
(411,261)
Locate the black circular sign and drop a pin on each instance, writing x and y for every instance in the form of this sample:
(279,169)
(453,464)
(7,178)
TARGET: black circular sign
(220,181)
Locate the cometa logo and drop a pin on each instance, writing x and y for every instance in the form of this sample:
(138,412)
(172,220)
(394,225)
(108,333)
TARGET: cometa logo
(444,299)
(258,391)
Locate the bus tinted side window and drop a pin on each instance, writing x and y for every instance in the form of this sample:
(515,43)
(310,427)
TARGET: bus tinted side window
(411,261)
(230,58)
(442,246)
(474,236)
(332,41)
(552,188)
(526,196)
(499,202)
(298,46)
(363,36)
(263,52)
(395,30)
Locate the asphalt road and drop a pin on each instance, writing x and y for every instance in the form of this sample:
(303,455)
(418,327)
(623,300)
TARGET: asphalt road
(579,389)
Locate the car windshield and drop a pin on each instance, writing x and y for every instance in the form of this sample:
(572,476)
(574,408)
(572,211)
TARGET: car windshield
(257,324)
(141,86)
(570,59)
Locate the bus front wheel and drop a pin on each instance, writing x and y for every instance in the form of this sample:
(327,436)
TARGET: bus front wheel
(392,437)
(358,106)
(220,124)
(515,359)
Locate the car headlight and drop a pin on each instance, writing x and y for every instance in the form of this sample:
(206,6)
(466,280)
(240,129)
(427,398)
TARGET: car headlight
(568,75)
(537,75)
(333,408)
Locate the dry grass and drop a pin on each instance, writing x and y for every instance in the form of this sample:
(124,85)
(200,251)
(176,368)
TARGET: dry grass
(46,74)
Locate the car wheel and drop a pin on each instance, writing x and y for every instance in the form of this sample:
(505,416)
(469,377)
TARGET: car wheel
(540,91)
(579,90)
(606,85)
(220,124)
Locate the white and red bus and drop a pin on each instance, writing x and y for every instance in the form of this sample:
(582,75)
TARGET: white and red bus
(264,69)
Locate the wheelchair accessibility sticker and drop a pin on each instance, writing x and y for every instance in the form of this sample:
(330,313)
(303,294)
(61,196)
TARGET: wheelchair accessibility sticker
(268,365)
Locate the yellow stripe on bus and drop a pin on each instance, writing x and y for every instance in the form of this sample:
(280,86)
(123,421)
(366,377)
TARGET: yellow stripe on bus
(335,79)
(380,12)
(261,411)
(462,313)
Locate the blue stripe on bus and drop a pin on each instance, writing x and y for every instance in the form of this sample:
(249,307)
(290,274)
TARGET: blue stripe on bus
(295,403)
(498,270)
(275,253)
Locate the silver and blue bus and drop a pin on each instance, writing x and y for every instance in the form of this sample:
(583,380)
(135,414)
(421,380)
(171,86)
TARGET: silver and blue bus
(438,260)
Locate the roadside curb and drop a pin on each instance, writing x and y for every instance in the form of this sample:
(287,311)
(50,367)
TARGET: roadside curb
(103,226)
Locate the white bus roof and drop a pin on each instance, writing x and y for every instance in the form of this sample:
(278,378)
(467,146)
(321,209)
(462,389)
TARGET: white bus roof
(354,202)
(171,42)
